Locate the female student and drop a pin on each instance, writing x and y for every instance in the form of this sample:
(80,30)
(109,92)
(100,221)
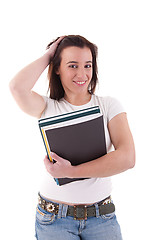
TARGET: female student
(80,209)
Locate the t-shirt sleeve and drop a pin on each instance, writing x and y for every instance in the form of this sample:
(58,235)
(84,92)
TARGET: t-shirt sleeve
(46,99)
(50,105)
(114,107)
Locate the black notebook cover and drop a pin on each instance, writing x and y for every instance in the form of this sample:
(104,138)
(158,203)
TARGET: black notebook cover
(78,143)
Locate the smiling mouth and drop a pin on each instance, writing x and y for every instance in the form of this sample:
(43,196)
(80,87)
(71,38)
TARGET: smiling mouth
(81,83)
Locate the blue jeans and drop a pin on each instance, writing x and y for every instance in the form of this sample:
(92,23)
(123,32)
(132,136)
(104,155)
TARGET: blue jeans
(62,227)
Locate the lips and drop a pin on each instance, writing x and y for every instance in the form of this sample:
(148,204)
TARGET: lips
(80,83)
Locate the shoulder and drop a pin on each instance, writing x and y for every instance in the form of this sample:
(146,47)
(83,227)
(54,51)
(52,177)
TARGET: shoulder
(49,106)
(55,107)
(111,106)
(107,99)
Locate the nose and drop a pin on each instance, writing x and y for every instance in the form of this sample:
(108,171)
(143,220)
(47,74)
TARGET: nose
(81,74)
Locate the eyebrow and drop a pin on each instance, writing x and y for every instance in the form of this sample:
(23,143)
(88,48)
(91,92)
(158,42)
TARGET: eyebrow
(77,62)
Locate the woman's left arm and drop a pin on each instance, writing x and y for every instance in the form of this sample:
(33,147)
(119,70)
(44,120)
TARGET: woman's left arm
(117,161)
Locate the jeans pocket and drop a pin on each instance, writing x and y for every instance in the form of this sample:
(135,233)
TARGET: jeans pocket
(44,217)
(108,216)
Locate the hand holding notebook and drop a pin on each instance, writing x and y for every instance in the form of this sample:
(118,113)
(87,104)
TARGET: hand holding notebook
(61,169)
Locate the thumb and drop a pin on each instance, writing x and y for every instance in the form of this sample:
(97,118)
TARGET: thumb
(55,156)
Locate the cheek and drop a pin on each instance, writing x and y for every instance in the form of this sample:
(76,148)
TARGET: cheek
(66,78)
(90,74)
(69,75)
(63,75)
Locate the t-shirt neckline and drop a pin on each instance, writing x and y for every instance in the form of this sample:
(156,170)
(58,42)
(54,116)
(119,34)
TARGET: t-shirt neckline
(79,106)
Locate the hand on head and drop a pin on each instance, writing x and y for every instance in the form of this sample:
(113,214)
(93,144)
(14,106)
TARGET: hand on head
(53,46)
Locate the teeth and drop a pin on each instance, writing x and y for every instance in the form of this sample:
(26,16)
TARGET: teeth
(80,82)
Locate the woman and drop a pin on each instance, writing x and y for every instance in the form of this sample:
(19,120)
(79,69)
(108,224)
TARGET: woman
(82,209)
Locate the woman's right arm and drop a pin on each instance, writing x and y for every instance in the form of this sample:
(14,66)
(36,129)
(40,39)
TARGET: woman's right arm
(21,85)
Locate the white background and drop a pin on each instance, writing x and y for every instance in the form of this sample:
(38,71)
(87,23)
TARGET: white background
(127,34)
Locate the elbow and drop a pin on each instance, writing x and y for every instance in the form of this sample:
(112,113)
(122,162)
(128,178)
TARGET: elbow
(131,159)
(128,158)
(15,88)
(132,163)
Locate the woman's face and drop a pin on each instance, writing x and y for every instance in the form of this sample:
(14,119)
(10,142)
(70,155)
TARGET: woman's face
(75,69)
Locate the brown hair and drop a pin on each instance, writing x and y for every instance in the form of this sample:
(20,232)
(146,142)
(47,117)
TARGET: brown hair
(55,86)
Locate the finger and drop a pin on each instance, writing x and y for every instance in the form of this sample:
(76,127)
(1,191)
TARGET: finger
(48,165)
(59,40)
(55,156)
(46,161)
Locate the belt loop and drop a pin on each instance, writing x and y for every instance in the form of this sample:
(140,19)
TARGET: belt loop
(97,209)
(59,211)
(64,210)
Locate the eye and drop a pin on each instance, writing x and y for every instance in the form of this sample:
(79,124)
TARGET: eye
(73,66)
(88,66)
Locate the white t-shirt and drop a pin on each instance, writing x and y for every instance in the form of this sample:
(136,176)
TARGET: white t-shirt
(89,190)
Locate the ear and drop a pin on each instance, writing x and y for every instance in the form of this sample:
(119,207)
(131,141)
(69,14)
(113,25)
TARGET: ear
(57,72)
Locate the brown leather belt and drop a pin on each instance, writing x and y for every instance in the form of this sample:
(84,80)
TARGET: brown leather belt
(79,212)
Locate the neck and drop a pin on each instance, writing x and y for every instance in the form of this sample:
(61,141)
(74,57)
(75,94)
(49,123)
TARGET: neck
(78,99)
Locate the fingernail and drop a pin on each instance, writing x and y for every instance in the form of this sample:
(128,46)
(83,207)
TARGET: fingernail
(52,154)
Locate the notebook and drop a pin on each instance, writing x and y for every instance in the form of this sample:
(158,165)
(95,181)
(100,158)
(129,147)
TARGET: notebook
(76,136)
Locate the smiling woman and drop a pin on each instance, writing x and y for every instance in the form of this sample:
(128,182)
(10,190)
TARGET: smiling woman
(75,73)
(82,79)
(72,78)
(76,53)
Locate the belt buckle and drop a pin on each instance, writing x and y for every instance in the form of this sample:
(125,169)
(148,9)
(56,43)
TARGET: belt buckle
(50,207)
(84,207)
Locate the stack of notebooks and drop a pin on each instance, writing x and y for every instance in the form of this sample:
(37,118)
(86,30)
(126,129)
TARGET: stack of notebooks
(76,136)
